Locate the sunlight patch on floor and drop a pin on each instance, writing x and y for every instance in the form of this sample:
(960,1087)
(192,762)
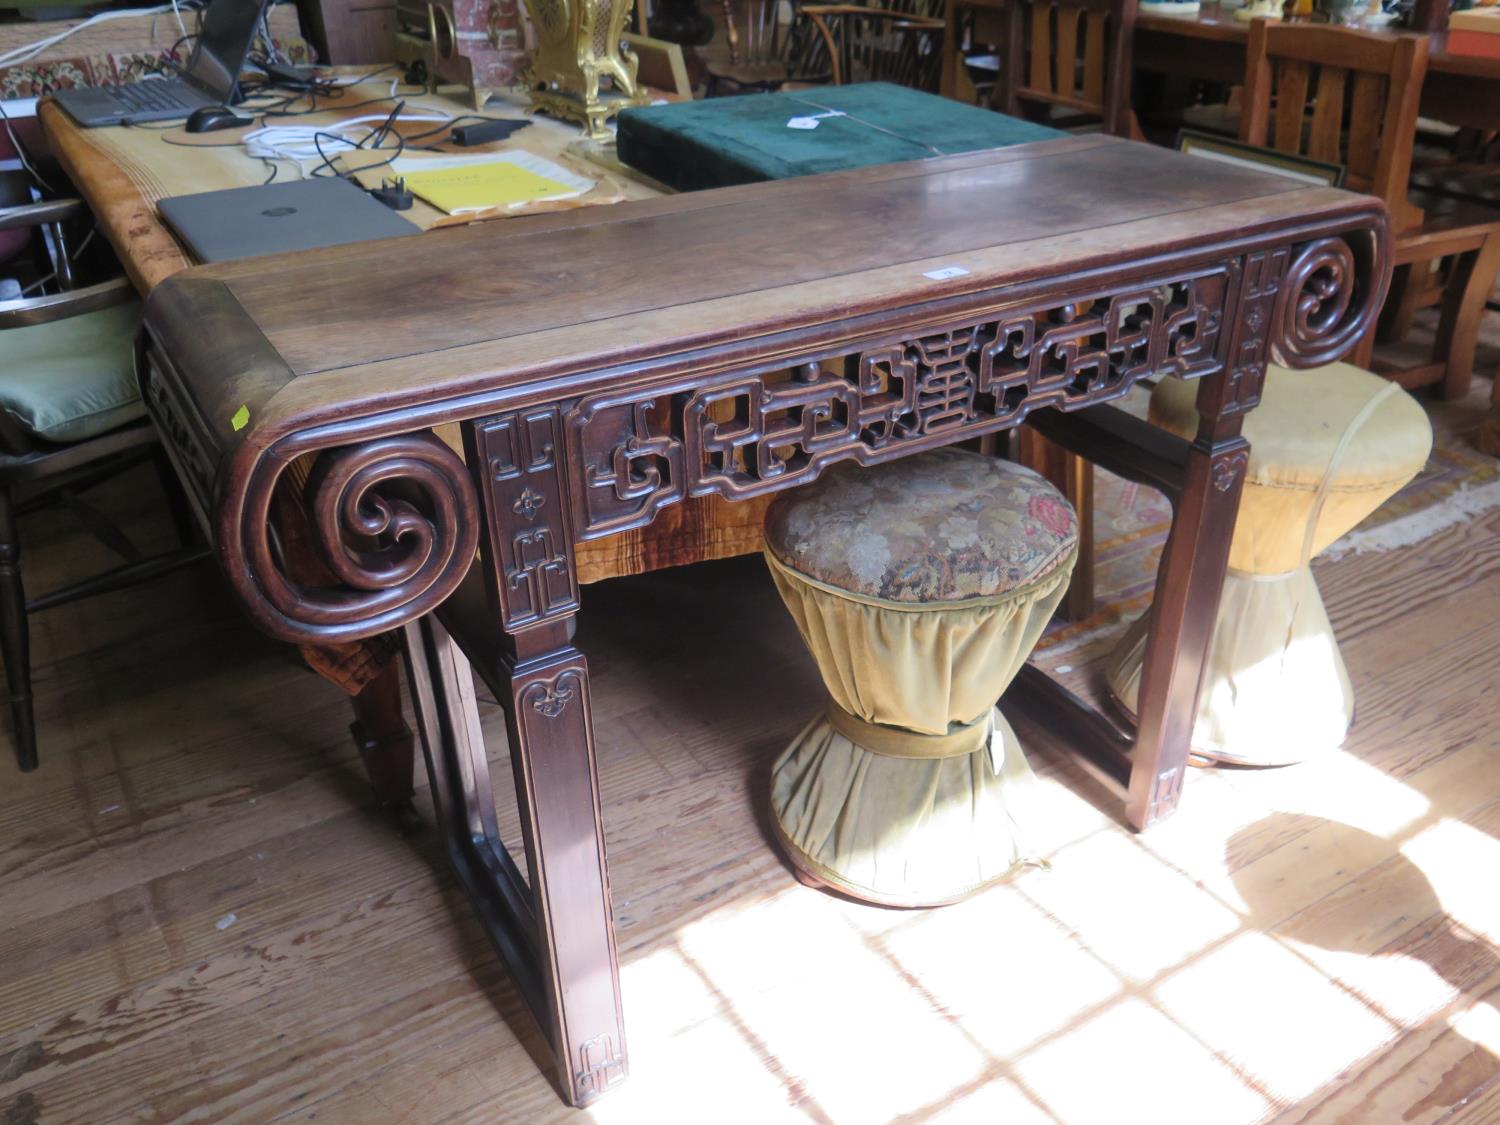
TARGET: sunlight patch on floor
(1480,1025)
(1132,911)
(830,1009)
(1008,974)
(1271,1014)
(1451,854)
(1132,1055)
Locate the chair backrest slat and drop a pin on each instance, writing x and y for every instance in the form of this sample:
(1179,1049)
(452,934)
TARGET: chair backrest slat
(1291,105)
(1041,49)
(1365,112)
(1093,56)
(1065,58)
(1323,140)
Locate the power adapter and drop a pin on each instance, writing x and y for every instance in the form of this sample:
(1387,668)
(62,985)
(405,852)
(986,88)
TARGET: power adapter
(394,194)
(483,132)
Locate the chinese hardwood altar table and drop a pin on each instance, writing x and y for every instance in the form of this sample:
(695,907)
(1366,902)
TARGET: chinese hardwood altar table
(604,364)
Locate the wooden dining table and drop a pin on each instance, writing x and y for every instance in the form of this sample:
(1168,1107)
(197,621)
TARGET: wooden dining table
(609,364)
(1211,44)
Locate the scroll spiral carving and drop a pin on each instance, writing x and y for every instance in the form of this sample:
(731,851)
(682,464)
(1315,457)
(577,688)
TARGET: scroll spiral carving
(1329,300)
(396,525)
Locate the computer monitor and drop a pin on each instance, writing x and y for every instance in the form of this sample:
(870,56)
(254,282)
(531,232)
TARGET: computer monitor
(224,40)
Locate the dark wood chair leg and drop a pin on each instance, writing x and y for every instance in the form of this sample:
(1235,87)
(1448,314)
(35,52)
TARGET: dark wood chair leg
(1489,429)
(557,937)
(386,744)
(15,636)
(177,502)
(1472,278)
(1409,283)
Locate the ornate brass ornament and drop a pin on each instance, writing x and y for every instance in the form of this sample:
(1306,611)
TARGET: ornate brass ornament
(581,69)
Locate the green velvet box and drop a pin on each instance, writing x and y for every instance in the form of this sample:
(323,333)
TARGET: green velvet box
(722,141)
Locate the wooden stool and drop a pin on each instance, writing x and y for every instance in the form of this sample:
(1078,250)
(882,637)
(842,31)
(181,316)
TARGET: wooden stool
(920,588)
(1327,447)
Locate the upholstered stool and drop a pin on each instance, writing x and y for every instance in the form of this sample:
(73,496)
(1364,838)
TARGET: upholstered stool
(920,588)
(1327,447)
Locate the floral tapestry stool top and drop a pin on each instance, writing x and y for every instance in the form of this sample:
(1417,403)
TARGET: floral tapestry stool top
(920,588)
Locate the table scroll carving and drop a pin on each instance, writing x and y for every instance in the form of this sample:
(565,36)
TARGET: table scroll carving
(1328,300)
(746,433)
(395,522)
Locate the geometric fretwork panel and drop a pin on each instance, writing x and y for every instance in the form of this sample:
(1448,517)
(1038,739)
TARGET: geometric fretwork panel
(754,431)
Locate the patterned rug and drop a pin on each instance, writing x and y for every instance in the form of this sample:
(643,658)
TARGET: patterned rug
(1131,523)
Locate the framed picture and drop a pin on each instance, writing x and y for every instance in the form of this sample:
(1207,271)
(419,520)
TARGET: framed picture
(1253,157)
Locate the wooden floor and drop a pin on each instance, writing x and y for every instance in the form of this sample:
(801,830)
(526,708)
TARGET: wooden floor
(203,918)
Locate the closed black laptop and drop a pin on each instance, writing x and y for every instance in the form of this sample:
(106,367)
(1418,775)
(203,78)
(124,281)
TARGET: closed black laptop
(218,226)
(211,77)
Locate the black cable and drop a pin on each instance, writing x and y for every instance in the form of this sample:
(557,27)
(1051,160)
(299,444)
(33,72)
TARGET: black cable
(453,121)
(372,141)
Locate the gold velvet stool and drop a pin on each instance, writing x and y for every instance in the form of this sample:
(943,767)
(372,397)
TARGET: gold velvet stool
(920,588)
(1327,447)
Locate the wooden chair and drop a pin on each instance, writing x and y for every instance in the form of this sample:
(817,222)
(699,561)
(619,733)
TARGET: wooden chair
(68,421)
(1066,63)
(1374,81)
(865,44)
(764,54)
(828,43)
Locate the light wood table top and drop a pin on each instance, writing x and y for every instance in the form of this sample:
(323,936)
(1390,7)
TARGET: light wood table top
(123,172)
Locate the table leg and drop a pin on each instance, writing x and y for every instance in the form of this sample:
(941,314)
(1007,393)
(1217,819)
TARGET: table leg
(531,589)
(385,742)
(556,936)
(1183,614)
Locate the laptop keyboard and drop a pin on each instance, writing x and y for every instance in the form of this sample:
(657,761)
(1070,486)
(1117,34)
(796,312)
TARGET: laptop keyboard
(151,94)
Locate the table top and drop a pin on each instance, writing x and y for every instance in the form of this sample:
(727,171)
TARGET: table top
(123,172)
(596,297)
(1218,24)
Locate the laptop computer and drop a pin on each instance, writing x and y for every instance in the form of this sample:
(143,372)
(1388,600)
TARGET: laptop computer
(211,77)
(218,226)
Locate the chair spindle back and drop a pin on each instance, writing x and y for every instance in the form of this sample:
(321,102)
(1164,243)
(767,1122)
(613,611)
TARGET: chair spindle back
(1363,87)
(1072,54)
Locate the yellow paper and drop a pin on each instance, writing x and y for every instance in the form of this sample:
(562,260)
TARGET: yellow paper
(481,186)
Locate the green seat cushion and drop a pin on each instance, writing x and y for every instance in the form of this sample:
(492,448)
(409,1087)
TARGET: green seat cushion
(72,379)
(723,141)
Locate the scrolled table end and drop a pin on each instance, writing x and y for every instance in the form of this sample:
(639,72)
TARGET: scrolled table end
(1330,298)
(392,527)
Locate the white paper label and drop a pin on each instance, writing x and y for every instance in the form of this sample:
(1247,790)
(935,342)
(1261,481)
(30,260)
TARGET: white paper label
(802,123)
(946,272)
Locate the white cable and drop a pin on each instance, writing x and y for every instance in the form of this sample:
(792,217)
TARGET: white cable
(300,143)
(31,50)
